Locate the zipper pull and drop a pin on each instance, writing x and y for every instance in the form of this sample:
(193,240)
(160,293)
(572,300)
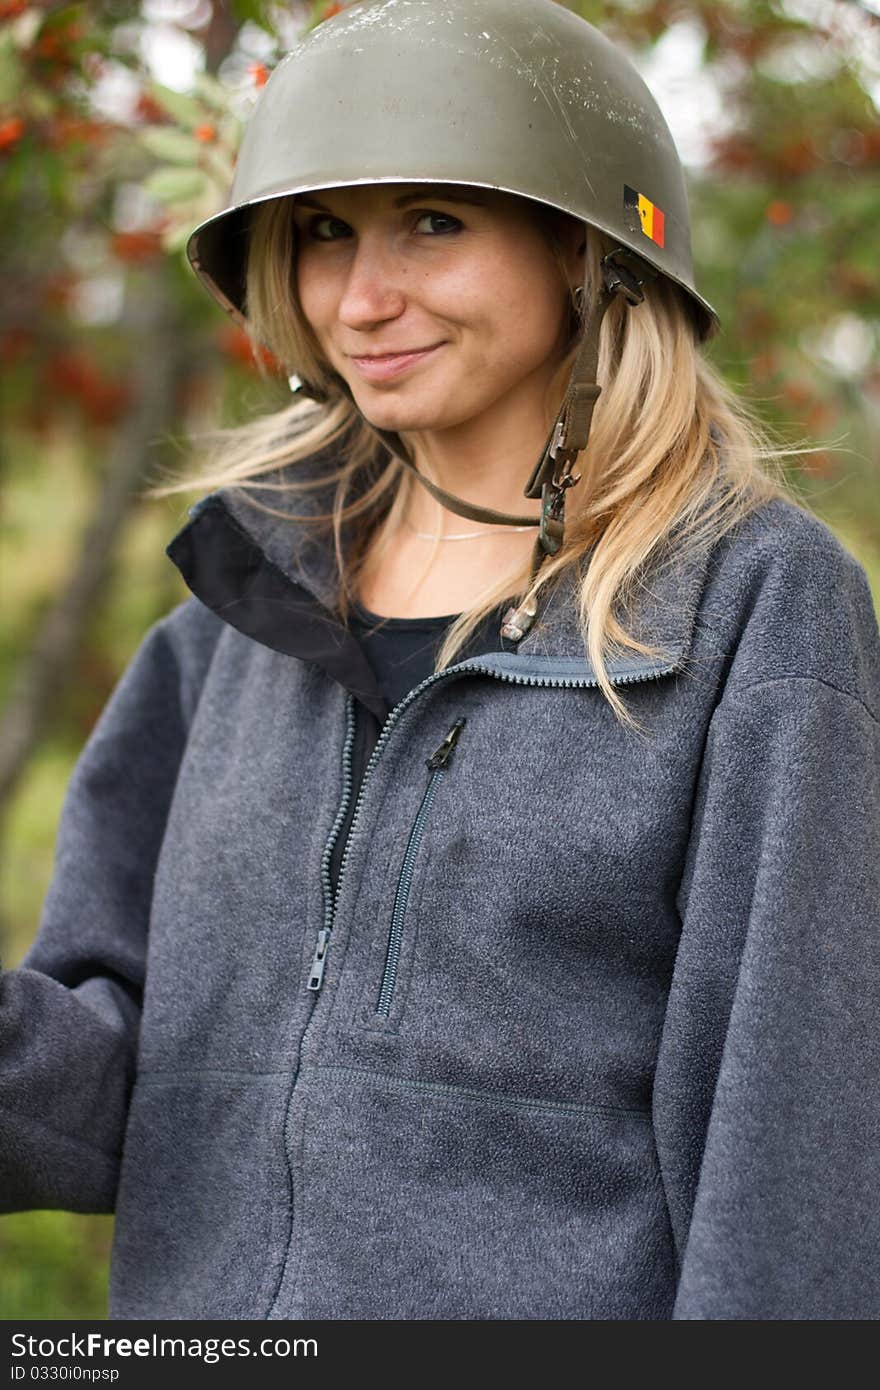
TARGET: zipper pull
(319,960)
(441,756)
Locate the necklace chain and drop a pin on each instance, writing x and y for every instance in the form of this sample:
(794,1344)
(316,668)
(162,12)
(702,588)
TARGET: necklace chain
(462,535)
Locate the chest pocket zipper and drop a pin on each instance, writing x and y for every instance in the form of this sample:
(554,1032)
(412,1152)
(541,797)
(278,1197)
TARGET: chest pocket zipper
(437,765)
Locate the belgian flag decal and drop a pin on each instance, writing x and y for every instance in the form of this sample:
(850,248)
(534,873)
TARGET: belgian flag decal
(652,220)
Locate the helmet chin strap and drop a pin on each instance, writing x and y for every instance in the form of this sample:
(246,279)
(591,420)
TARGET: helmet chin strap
(552,475)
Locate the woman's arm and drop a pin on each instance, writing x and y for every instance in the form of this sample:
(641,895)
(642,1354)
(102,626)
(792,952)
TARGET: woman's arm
(69,1016)
(767,1094)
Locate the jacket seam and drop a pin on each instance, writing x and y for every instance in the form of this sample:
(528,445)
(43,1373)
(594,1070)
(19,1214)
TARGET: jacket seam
(811,680)
(294,1260)
(502,1101)
(145,1076)
(677,1254)
(163,629)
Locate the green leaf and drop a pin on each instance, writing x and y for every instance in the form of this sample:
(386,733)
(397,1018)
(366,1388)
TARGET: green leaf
(213,92)
(61,17)
(170,185)
(17,168)
(11,70)
(40,104)
(177,235)
(172,146)
(253,10)
(186,110)
(54,173)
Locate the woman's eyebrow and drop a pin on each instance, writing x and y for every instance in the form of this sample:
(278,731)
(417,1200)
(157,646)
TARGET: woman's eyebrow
(443,195)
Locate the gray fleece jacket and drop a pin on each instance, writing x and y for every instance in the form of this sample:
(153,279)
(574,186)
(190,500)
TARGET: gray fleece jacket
(590,1025)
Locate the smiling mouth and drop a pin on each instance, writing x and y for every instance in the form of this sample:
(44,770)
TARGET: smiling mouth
(382,366)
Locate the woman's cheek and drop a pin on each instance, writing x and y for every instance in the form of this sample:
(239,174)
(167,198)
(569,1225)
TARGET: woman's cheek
(315,291)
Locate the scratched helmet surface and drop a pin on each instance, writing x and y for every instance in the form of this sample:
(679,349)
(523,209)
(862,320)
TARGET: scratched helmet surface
(516,95)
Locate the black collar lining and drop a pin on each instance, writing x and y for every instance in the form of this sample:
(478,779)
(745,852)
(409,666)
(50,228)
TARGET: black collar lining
(226,569)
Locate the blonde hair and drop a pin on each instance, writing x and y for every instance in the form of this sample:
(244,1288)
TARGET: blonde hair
(674,455)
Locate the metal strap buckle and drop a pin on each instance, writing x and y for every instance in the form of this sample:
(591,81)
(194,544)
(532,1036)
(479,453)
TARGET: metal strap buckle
(564,459)
(622,278)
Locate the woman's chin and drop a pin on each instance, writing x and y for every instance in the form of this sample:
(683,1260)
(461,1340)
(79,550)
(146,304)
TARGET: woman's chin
(385,413)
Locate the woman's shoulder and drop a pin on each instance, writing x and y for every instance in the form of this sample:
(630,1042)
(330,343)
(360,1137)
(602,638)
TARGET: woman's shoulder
(793,603)
(176,652)
(782,531)
(191,629)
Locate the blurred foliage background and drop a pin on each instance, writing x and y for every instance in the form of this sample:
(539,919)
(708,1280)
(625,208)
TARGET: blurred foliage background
(119,124)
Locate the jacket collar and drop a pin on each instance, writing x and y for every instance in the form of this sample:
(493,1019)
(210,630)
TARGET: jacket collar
(270,578)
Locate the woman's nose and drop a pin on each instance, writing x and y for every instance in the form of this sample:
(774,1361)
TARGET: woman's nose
(374,286)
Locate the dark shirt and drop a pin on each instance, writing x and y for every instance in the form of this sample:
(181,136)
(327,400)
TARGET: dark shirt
(402,653)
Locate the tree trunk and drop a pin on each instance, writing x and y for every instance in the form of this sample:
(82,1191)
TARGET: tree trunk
(148,321)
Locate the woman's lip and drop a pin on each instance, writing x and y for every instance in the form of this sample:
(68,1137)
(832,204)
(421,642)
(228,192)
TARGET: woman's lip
(391,364)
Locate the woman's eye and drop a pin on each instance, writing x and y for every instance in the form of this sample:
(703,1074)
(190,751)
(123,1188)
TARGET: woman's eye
(436,223)
(326,228)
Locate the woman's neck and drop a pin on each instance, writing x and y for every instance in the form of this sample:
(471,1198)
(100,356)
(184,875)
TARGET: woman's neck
(486,461)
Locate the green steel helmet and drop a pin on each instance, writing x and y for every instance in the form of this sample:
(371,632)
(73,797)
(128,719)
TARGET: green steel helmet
(521,96)
(516,95)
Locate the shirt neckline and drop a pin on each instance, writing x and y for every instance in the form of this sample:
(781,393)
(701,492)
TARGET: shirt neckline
(365,615)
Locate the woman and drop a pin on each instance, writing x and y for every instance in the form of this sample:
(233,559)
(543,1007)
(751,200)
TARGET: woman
(487,926)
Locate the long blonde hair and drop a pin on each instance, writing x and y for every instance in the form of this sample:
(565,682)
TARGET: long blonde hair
(674,453)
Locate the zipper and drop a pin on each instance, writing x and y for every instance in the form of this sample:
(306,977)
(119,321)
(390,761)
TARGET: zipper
(464,669)
(319,959)
(437,765)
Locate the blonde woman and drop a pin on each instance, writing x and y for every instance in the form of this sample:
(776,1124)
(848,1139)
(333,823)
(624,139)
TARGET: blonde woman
(466,906)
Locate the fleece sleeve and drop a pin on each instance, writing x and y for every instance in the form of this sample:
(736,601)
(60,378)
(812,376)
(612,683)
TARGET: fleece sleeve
(767,1090)
(69,1015)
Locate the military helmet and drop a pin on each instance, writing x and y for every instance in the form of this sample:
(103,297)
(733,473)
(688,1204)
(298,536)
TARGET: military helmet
(522,96)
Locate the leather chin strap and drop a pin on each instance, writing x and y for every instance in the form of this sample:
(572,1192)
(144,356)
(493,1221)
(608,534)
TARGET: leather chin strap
(622,273)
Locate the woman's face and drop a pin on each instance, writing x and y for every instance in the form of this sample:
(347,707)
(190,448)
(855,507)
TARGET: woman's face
(434,303)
